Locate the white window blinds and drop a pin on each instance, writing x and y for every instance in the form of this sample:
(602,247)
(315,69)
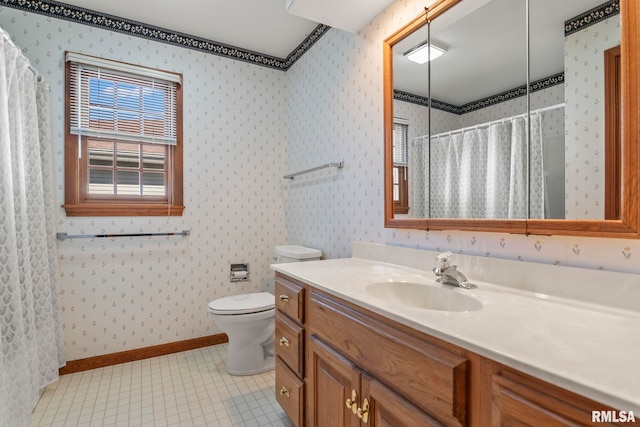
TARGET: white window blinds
(400,142)
(120,101)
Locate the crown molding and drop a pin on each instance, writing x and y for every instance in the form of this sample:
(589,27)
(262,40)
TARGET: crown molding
(591,17)
(104,21)
(547,82)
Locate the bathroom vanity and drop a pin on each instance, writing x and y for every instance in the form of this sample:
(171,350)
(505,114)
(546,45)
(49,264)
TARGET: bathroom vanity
(350,357)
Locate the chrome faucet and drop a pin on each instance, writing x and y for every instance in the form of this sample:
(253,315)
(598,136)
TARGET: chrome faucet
(449,274)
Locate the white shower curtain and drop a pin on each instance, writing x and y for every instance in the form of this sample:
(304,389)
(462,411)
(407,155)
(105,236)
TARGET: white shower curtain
(31,340)
(478,172)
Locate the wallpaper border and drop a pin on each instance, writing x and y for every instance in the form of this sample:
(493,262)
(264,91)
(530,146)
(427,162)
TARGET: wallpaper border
(547,82)
(592,17)
(138,29)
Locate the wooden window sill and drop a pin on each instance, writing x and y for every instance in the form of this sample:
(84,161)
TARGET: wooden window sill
(123,209)
(401,210)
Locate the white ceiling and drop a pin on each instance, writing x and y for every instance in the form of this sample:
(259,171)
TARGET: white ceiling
(352,15)
(261,26)
(486,48)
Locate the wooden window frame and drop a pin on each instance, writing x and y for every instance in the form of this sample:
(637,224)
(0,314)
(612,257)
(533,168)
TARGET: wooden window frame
(79,203)
(401,206)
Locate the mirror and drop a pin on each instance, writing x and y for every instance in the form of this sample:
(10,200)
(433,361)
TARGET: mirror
(480,77)
(567,163)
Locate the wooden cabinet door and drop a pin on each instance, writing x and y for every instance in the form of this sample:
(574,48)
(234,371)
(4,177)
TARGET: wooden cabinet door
(388,409)
(332,381)
(521,401)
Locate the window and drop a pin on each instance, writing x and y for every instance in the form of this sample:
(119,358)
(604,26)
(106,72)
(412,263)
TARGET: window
(400,166)
(123,143)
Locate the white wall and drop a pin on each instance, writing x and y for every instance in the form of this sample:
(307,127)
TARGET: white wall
(127,293)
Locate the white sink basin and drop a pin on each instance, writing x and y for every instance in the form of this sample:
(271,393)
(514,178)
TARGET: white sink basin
(424,296)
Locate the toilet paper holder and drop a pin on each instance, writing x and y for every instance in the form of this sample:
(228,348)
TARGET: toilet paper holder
(239,272)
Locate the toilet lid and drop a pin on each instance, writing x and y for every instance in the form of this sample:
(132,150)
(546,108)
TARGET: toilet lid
(243,303)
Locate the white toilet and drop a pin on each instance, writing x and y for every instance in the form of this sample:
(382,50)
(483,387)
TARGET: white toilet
(249,320)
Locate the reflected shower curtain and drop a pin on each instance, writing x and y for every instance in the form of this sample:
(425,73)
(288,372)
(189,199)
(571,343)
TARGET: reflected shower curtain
(31,340)
(418,167)
(478,173)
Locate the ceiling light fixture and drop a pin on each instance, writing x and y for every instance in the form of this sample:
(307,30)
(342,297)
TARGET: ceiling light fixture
(425,52)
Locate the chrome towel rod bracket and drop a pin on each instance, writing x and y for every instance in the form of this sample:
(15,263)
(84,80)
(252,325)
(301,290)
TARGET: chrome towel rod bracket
(338,165)
(65,236)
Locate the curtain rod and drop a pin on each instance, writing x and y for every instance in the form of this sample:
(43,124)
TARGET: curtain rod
(65,236)
(482,125)
(31,67)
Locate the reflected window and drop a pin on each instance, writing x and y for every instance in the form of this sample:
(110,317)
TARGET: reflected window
(400,167)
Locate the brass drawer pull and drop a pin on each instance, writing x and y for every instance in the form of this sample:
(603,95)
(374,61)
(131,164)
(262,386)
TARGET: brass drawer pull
(284,342)
(363,413)
(353,402)
(284,391)
(284,298)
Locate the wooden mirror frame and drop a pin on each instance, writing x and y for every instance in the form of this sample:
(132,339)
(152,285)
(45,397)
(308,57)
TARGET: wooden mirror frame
(628,226)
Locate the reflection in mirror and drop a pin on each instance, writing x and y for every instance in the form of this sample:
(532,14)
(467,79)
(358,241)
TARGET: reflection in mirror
(586,120)
(468,150)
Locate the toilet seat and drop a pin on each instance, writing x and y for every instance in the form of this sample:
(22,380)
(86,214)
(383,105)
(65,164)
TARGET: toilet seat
(243,304)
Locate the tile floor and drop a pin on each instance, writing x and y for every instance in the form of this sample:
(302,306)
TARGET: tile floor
(182,389)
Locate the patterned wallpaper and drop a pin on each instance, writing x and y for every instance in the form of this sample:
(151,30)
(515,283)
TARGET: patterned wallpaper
(418,117)
(245,127)
(126,293)
(334,114)
(584,92)
(443,121)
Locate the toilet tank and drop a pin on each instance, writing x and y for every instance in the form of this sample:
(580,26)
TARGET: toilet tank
(295,253)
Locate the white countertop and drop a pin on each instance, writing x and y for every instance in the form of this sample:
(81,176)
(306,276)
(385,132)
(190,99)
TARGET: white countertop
(586,348)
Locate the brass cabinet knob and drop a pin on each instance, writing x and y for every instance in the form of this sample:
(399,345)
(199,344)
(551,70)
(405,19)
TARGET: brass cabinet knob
(363,413)
(284,391)
(353,402)
(284,341)
(284,298)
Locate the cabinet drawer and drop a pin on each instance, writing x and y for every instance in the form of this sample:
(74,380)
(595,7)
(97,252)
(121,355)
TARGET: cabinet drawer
(290,393)
(290,343)
(290,298)
(431,378)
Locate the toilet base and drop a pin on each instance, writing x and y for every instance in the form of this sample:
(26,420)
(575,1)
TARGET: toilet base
(251,335)
(269,365)
(251,341)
